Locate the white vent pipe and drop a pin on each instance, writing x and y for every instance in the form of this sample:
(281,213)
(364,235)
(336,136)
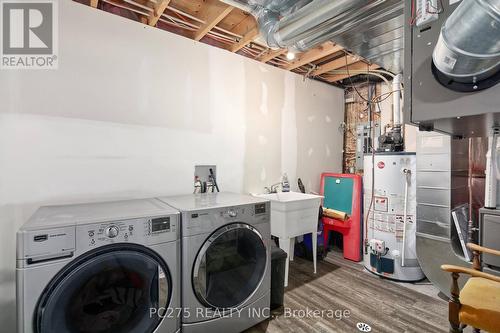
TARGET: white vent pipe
(396,99)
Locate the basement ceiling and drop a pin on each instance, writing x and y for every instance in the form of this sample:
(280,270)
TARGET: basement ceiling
(220,25)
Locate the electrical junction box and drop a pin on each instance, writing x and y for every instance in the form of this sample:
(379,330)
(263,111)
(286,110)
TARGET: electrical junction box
(426,11)
(364,142)
(377,246)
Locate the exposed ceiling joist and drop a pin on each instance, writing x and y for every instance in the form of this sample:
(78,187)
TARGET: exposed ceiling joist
(247,38)
(218,24)
(212,13)
(335,64)
(358,66)
(271,54)
(244,26)
(314,54)
(158,10)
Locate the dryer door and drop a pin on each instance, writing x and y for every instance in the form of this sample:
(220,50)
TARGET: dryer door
(230,266)
(109,290)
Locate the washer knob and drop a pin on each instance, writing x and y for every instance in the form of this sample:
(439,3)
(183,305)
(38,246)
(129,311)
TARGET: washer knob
(232,213)
(112,231)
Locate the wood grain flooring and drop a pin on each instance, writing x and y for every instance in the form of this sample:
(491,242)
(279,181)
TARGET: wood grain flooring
(342,285)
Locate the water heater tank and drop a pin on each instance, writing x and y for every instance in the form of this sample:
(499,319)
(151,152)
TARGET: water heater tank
(391,242)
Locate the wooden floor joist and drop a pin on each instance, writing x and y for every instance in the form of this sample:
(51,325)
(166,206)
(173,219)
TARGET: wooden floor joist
(358,66)
(222,25)
(212,13)
(249,37)
(314,54)
(271,54)
(159,8)
(335,64)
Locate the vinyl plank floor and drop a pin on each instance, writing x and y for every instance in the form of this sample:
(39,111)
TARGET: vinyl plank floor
(341,286)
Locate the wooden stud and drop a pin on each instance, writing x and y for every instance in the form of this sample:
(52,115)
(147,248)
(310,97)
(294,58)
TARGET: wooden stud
(335,64)
(94,3)
(212,13)
(249,37)
(158,10)
(271,54)
(360,65)
(314,54)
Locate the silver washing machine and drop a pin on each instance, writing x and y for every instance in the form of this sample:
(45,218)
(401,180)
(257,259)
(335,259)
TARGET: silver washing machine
(225,261)
(99,268)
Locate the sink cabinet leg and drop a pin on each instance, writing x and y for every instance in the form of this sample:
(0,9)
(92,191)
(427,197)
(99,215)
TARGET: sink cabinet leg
(314,237)
(285,246)
(292,248)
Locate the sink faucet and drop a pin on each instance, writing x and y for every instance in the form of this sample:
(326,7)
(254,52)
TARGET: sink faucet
(273,188)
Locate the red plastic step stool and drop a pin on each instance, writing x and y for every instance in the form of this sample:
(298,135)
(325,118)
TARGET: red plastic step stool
(344,192)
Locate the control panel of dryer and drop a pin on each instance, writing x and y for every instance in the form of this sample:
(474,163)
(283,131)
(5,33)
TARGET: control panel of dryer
(202,221)
(146,231)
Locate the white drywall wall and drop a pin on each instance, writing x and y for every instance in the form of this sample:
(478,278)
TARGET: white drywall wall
(132,109)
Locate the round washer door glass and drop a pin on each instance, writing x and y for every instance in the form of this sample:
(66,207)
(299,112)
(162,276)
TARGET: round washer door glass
(110,290)
(230,266)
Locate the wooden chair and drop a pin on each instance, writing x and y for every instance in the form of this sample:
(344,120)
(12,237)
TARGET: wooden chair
(478,303)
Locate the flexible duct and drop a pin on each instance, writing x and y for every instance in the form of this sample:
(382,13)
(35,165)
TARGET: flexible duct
(305,24)
(468,49)
(341,23)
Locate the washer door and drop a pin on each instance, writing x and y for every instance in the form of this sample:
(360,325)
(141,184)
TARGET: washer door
(230,266)
(108,290)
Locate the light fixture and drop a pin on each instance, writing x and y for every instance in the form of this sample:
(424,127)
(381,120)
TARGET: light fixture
(290,55)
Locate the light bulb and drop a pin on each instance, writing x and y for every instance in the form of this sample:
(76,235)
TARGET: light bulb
(290,55)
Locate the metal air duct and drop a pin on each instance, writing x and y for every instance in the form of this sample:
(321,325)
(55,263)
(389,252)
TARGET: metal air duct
(372,29)
(467,54)
(292,30)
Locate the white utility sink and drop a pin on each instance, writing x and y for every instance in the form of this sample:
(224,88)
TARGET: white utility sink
(293,214)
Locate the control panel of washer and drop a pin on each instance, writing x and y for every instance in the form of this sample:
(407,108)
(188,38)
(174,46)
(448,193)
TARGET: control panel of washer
(146,231)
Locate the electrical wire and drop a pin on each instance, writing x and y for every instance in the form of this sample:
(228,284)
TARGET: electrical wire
(367,218)
(438,10)
(350,79)
(377,102)
(416,14)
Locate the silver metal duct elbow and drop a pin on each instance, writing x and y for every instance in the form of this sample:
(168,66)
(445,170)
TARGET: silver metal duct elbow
(268,22)
(468,49)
